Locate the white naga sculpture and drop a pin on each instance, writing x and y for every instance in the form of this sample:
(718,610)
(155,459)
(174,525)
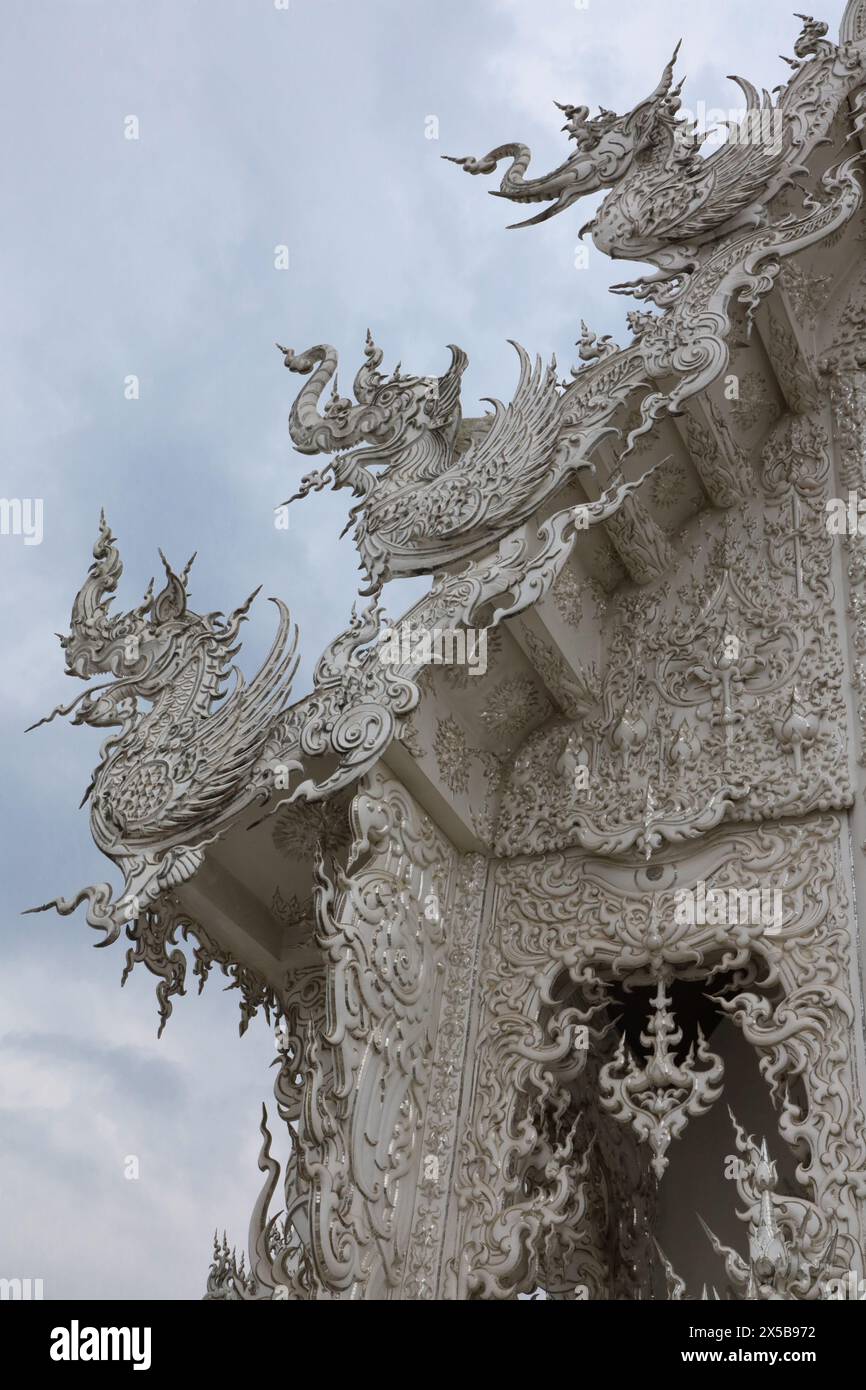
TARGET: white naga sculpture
(509,923)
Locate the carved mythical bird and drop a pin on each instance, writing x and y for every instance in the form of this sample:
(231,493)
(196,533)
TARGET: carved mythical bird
(172,776)
(447,486)
(666,199)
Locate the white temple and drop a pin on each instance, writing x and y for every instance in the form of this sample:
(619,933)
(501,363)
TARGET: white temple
(550,888)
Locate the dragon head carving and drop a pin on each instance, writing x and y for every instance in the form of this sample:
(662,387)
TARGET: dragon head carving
(607,146)
(132,645)
(98,641)
(408,425)
(390,413)
(142,648)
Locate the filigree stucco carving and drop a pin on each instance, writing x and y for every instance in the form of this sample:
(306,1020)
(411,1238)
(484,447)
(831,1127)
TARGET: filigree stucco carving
(452,754)
(281,1264)
(352,714)
(439,1143)
(669,484)
(174,776)
(807,292)
(701,681)
(658,1097)
(443,490)
(793,1248)
(790,992)
(720,461)
(568,597)
(463,1118)
(356,1048)
(844,368)
(155,934)
(795,373)
(853,26)
(450,486)
(457,488)
(667,201)
(382,933)
(754,402)
(525,1177)
(494,488)
(299,827)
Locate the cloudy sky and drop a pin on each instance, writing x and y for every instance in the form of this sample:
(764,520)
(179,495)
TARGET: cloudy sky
(258,126)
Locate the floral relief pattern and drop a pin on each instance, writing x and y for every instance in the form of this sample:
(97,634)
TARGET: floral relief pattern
(755,402)
(300,827)
(452,755)
(567,595)
(669,485)
(512,705)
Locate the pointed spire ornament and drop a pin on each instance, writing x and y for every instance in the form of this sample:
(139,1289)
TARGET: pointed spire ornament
(657,1098)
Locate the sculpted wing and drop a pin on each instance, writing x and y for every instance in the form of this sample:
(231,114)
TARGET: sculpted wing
(448,385)
(223,749)
(727,182)
(507,463)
